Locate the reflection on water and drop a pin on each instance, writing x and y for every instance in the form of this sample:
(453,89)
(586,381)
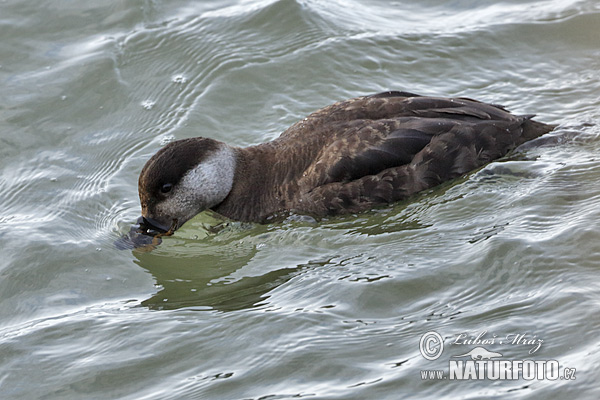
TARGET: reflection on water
(209,273)
(204,284)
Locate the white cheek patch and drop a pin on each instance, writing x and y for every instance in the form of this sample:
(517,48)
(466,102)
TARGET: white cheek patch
(212,179)
(202,187)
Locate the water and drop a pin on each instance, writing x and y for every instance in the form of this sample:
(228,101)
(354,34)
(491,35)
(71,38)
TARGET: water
(328,310)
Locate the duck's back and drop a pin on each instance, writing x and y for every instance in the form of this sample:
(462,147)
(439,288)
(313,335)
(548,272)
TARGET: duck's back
(389,146)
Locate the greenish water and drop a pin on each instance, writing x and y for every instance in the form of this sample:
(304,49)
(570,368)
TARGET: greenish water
(328,310)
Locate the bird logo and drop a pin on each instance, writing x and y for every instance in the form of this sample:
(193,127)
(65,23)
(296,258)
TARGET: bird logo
(480,353)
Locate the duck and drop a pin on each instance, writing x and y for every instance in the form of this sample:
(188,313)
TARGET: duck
(349,157)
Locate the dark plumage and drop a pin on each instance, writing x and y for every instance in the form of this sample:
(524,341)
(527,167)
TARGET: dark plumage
(345,158)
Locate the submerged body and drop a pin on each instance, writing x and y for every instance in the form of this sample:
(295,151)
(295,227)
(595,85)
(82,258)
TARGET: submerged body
(345,158)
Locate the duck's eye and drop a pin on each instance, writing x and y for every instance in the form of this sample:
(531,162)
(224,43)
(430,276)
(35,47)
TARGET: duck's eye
(166,188)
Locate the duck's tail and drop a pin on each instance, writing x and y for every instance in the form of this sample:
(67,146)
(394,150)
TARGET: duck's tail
(534,129)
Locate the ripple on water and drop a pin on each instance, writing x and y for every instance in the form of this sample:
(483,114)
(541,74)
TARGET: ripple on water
(333,308)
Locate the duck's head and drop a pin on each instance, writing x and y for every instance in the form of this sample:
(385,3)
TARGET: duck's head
(183,179)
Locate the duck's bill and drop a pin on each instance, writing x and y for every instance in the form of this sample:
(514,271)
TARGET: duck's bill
(146,233)
(152,226)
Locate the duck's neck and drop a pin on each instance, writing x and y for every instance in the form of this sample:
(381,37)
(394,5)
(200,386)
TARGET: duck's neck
(267,177)
(253,193)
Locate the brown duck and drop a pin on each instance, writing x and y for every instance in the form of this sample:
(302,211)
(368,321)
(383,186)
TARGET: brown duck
(348,157)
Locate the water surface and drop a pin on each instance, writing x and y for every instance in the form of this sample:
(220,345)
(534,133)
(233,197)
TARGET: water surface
(298,309)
